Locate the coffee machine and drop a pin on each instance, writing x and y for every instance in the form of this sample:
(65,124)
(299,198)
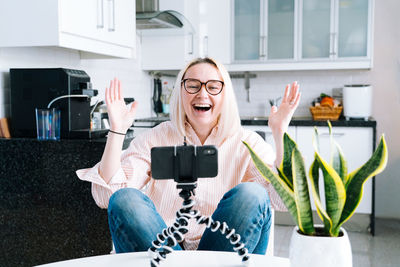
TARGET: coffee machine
(66,89)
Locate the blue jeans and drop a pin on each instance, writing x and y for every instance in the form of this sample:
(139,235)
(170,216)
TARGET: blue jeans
(134,222)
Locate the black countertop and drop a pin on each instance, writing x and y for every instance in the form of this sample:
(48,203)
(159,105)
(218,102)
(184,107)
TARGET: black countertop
(308,121)
(250,120)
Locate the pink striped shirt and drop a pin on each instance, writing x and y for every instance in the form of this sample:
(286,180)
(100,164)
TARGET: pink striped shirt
(234,166)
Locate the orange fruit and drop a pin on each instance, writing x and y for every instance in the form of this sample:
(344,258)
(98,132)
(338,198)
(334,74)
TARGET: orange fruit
(327,101)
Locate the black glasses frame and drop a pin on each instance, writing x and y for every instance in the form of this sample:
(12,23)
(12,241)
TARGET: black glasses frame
(201,85)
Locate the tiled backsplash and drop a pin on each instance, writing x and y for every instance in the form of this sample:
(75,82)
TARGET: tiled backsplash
(271,85)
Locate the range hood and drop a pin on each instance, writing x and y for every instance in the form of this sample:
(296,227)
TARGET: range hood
(148,16)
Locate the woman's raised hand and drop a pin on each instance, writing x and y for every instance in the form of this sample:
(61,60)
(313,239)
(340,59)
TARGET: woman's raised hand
(279,118)
(121,117)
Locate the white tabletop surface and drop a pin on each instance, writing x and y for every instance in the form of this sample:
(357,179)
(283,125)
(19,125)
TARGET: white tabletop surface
(175,259)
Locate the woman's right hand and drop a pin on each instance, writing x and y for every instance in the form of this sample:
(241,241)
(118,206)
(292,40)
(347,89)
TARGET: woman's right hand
(120,116)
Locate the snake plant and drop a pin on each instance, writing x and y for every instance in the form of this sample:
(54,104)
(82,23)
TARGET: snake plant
(343,190)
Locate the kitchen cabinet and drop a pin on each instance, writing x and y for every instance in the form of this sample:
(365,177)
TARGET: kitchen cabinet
(170,49)
(335,29)
(214,30)
(357,149)
(302,34)
(166,49)
(265,130)
(263,30)
(206,32)
(106,27)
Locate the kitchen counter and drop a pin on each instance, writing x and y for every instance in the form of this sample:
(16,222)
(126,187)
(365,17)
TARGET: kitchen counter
(250,120)
(308,121)
(46,213)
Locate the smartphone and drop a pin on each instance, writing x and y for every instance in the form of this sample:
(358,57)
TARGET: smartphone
(184,163)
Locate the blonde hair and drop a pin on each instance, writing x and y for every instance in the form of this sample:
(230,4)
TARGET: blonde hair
(228,121)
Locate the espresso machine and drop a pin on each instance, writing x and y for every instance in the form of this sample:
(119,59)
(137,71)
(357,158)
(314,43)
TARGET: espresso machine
(68,90)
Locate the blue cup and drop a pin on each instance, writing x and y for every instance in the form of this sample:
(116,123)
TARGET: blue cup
(48,123)
(165,108)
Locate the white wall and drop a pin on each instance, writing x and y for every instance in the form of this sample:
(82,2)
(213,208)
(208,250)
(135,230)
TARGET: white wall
(385,77)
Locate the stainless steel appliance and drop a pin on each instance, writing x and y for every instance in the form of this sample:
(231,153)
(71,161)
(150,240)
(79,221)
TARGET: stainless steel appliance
(148,16)
(66,89)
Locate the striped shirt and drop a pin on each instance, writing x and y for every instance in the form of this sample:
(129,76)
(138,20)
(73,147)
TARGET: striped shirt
(234,166)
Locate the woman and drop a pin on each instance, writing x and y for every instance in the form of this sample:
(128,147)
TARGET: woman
(204,111)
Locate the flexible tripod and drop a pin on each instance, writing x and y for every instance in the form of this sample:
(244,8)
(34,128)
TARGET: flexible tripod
(172,235)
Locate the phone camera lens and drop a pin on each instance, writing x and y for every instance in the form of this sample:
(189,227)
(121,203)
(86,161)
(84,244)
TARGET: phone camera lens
(209,152)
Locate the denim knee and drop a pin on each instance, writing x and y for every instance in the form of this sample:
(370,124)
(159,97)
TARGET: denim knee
(122,200)
(251,192)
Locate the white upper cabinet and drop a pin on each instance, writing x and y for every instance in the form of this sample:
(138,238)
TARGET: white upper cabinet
(206,32)
(336,29)
(316,29)
(280,29)
(214,29)
(170,49)
(302,34)
(263,30)
(353,28)
(105,27)
(263,35)
(249,35)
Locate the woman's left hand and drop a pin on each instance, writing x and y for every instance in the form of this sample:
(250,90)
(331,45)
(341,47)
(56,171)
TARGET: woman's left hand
(279,118)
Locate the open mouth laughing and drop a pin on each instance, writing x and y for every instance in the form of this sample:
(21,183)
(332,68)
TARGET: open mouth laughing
(202,107)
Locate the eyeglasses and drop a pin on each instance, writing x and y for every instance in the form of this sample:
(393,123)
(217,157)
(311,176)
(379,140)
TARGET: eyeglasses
(193,86)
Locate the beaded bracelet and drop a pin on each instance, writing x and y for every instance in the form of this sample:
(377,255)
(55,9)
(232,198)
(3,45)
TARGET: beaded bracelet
(117,132)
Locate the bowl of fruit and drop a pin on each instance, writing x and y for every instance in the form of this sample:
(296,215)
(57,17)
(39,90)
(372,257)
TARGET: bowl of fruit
(326,107)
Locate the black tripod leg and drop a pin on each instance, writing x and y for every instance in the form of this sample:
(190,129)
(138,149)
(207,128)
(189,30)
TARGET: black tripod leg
(230,234)
(174,234)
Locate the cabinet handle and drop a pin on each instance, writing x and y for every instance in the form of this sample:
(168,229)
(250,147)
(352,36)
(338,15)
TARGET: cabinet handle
(262,46)
(333,134)
(333,41)
(100,14)
(191,44)
(205,43)
(111,17)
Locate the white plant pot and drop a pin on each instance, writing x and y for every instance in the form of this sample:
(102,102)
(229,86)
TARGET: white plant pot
(320,250)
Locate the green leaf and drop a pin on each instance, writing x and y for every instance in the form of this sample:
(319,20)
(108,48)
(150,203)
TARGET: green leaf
(314,184)
(335,193)
(284,178)
(301,194)
(315,139)
(286,164)
(356,179)
(338,161)
(284,191)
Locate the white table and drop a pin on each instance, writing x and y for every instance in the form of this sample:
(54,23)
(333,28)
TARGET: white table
(175,259)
